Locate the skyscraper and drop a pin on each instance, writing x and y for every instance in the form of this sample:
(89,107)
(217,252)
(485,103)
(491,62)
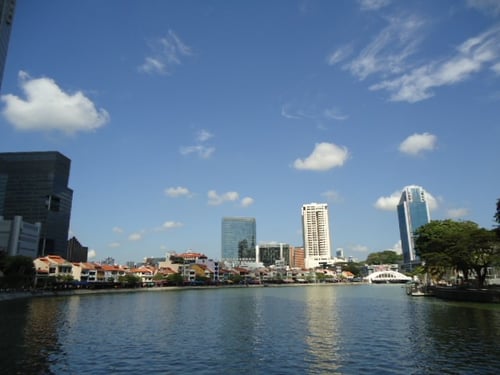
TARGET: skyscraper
(238,239)
(316,233)
(413,212)
(7,8)
(34,185)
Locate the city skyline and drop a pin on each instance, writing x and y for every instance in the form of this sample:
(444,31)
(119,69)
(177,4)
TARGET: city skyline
(181,113)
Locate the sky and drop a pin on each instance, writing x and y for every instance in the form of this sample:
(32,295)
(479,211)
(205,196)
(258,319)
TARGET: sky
(176,114)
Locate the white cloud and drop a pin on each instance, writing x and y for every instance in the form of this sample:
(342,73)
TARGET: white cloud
(47,107)
(171,224)
(247,201)
(202,151)
(417,143)
(397,247)
(390,203)
(470,57)
(335,114)
(215,199)
(91,254)
(388,52)
(339,55)
(117,230)
(331,196)
(325,156)
(135,237)
(114,244)
(313,114)
(203,135)
(457,213)
(178,191)
(367,5)
(496,68)
(488,7)
(166,53)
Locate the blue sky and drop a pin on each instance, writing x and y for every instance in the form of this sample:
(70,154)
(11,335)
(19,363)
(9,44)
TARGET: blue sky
(178,113)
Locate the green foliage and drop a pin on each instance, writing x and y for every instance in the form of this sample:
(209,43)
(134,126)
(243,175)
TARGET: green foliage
(175,279)
(129,280)
(497,218)
(18,271)
(459,245)
(384,257)
(354,268)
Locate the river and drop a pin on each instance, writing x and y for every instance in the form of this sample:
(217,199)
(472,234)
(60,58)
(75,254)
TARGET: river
(322,329)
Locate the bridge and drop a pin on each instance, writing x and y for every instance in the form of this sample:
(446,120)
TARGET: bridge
(387,277)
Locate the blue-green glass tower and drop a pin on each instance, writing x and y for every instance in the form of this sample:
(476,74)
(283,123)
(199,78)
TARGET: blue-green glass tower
(7,8)
(413,212)
(238,239)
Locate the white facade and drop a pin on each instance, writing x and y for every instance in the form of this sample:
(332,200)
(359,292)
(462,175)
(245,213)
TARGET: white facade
(18,237)
(316,233)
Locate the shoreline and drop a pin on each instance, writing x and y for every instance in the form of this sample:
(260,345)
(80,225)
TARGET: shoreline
(17,295)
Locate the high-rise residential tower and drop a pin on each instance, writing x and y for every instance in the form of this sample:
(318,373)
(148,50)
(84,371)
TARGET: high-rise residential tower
(413,212)
(7,9)
(238,239)
(316,233)
(34,185)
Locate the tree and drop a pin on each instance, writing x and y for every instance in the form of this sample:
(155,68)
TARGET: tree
(18,270)
(460,245)
(384,257)
(129,280)
(497,218)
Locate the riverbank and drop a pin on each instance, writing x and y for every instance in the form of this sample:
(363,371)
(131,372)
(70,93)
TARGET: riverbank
(15,295)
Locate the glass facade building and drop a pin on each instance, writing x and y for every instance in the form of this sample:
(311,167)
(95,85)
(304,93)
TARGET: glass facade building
(34,185)
(413,212)
(274,253)
(7,8)
(238,239)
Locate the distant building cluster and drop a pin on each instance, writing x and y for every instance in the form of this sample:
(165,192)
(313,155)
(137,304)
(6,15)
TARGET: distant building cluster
(35,211)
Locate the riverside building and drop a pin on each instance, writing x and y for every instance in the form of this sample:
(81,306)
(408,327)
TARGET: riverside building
(413,212)
(34,185)
(238,240)
(316,234)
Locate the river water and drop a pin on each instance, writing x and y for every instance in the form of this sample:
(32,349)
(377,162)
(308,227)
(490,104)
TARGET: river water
(323,329)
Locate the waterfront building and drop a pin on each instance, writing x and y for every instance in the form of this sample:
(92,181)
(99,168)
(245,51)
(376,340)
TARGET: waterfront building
(34,185)
(53,265)
(413,212)
(273,253)
(7,10)
(297,257)
(316,234)
(18,237)
(76,251)
(238,240)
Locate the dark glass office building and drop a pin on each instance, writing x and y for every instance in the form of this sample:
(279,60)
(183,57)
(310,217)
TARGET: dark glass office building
(7,8)
(238,239)
(413,212)
(34,185)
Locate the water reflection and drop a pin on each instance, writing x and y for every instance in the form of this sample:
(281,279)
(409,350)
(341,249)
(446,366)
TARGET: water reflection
(29,336)
(323,338)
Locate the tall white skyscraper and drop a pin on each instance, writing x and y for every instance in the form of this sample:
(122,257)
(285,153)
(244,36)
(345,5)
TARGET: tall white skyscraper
(316,233)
